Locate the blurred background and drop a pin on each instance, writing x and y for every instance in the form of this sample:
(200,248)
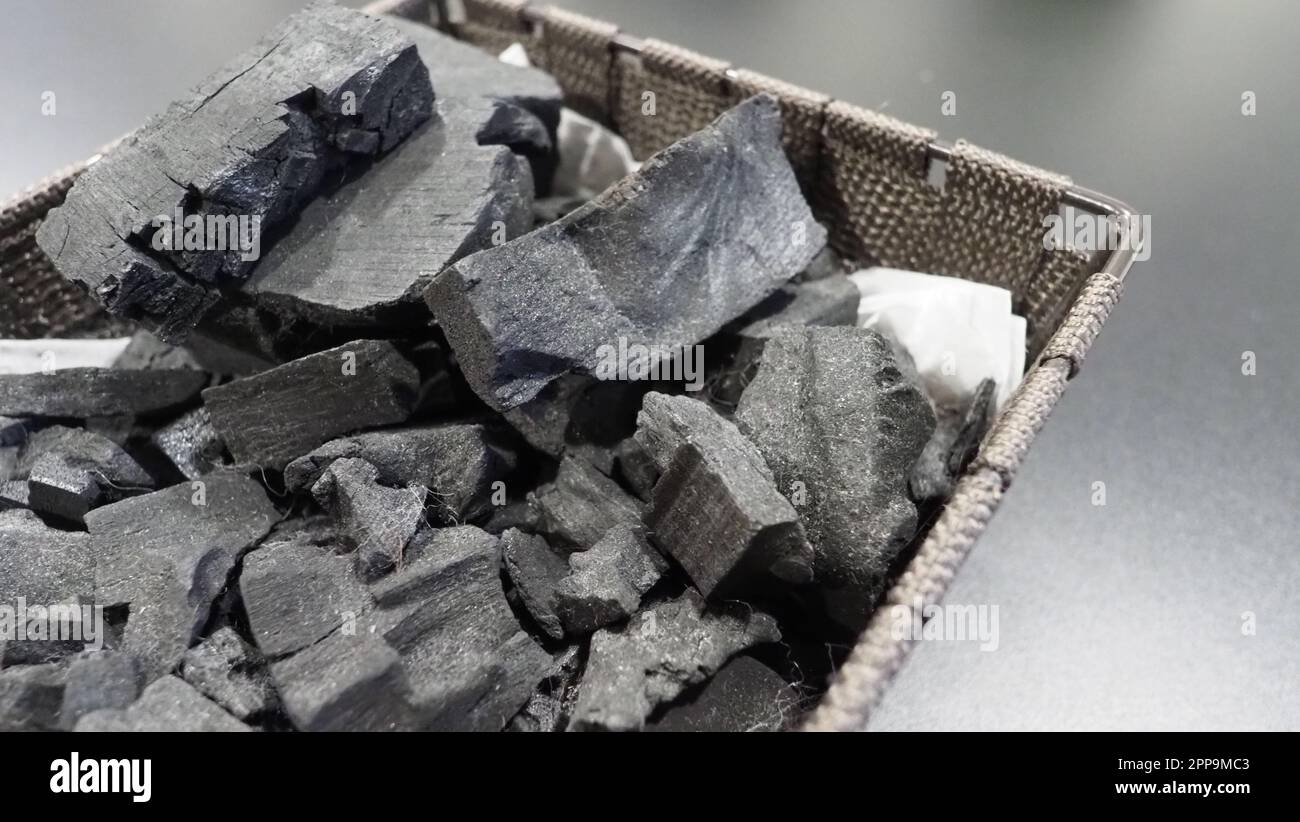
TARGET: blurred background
(1135,614)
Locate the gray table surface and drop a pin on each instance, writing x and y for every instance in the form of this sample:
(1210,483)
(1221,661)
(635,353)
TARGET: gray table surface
(1123,616)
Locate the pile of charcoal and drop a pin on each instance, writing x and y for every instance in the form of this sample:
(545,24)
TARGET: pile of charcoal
(453,449)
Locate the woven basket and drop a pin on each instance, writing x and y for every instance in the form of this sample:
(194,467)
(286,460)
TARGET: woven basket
(868,177)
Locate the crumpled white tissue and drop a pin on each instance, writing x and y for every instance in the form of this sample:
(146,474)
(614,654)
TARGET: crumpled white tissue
(35,356)
(958,332)
(592,158)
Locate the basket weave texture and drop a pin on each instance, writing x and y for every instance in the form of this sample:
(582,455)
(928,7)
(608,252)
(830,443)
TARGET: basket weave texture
(868,178)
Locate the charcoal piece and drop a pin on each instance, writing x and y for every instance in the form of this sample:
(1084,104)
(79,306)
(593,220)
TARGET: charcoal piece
(81,393)
(327,88)
(520,514)
(167,555)
(30,697)
(716,507)
(231,673)
(536,571)
(8,462)
(297,589)
(637,263)
(835,418)
(957,436)
(663,650)
(345,683)
(14,495)
(145,351)
(457,462)
(548,709)
(13,431)
(99,680)
(832,300)
(362,255)
(744,697)
(168,705)
(581,504)
(606,582)
(276,416)
(581,417)
(379,521)
(469,664)
(70,471)
(190,443)
(43,565)
(635,468)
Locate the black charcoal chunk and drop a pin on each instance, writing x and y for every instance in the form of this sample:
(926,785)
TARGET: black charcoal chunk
(836,419)
(635,468)
(829,301)
(70,471)
(379,521)
(536,570)
(957,436)
(345,683)
(548,709)
(470,665)
(99,680)
(363,254)
(520,514)
(227,670)
(581,504)
(13,431)
(14,495)
(297,590)
(659,653)
(638,263)
(167,555)
(744,697)
(325,89)
(581,417)
(716,507)
(606,582)
(43,565)
(31,697)
(274,417)
(167,705)
(190,443)
(457,462)
(83,393)
(145,351)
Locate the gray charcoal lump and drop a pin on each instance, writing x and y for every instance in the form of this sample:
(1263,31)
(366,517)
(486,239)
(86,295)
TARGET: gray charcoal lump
(99,680)
(167,555)
(745,697)
(297,589)
(42,564)
(225,669)
(254,140)
(469,664)
(377,520)
(69,471)
(662,651)
(31,697)
(831,411)
(717,508)
(956,439)
(575,593)
(364,252)
(636,263)
(581,504)
(82,393)
(345,683)
(169,704)
(272,418)
(456,462)
(190,443)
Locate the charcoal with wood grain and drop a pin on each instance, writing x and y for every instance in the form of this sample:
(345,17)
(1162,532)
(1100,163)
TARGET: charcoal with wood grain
(451,454)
